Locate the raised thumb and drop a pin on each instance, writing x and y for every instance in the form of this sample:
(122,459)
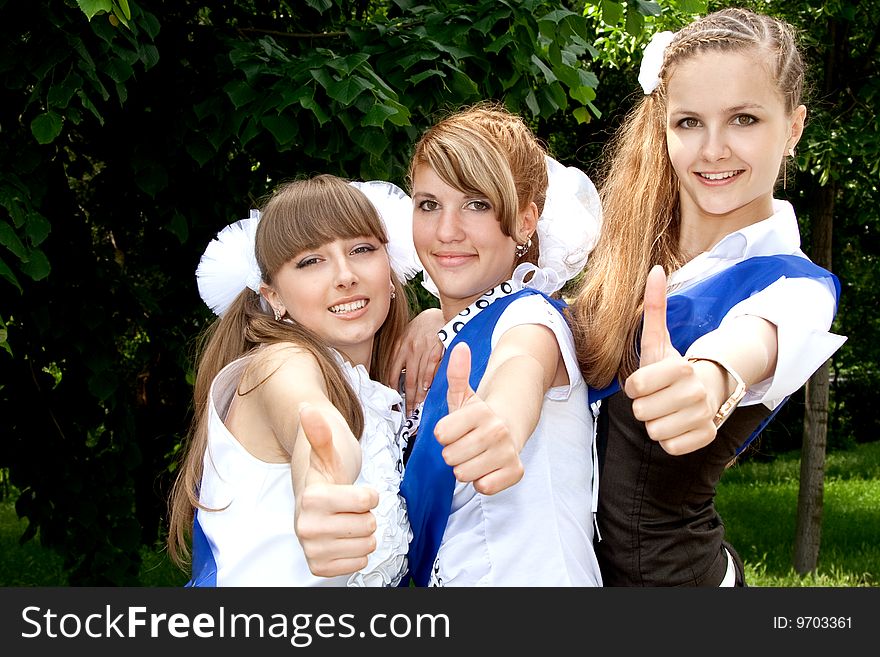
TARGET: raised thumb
(458,372)
(655,344)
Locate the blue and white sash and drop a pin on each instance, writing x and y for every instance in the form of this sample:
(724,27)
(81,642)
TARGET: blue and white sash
(699,309)
(428,482)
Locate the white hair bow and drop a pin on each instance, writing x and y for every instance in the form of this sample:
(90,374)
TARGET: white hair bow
(229,263)
(652,61)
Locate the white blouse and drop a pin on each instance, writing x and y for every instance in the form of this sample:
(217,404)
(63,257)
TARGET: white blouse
(538,532)
(252,534)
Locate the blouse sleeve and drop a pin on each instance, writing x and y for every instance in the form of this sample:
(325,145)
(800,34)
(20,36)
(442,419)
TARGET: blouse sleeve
(802,310)
(535,309)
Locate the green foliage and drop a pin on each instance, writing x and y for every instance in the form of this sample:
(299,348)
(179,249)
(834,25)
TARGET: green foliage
(118,10)
(130,143)
(133,133)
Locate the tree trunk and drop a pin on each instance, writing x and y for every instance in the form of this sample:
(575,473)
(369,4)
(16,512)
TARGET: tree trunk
(812,484)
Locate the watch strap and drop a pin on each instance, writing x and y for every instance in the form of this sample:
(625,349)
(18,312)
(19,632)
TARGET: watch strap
(736,396)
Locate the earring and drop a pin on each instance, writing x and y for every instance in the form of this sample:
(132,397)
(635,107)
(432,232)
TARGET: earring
(393,295)
(521,249)
(277,314)
(785,169)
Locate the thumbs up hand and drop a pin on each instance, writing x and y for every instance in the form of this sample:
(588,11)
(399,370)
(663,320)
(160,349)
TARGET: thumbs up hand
(458,374)
(478,444)
(668,394)
(656,345)
(333,520)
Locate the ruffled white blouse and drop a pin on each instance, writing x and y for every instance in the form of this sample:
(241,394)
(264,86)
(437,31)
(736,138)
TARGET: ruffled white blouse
(382,469)
(251,535)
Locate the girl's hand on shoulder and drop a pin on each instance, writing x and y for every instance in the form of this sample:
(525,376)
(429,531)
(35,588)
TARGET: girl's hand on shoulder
(673,397)
(478,444)
(419,353)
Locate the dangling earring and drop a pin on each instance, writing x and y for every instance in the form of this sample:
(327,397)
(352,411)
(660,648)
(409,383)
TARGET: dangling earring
(521,249)
(785,168)
(277,314)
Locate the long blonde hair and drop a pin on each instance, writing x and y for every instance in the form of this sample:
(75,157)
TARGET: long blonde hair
(486,150)
(299,215)
(640,197)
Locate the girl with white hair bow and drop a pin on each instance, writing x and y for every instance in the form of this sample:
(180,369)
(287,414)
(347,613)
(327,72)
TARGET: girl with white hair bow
(310,305)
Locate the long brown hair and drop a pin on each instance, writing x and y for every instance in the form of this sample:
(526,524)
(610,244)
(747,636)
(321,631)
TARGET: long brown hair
(640,197)
(299,215)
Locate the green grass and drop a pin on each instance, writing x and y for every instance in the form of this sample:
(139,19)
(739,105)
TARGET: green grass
(758,502)
(29,564)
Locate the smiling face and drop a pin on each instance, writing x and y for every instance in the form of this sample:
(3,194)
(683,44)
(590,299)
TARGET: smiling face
(727,132)
(340,290)
(459,241)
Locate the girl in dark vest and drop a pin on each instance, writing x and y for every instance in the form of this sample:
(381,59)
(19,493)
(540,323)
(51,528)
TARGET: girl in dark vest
(689,369)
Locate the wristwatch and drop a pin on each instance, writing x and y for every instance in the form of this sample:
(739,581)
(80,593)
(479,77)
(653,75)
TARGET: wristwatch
(735,398)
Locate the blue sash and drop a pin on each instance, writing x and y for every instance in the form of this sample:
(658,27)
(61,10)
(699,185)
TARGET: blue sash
(204,568)
(699,309)
(428,482)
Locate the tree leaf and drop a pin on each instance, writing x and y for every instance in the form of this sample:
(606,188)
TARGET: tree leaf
(377,115)
(635,23)
(200,149)
(103,384)
(283,128)
(92,7)
(581,115)
(46,127)
(371,140)
(60,94)
(6,273)
(498,44)
(240,93)
(37,265)
(648,8)
(346,90)
(612,11)
(548,74)
(37,228)
(424,75)
(691,6)
(310,104)
(345,65)
(179,227)
(319,5)
(10,239)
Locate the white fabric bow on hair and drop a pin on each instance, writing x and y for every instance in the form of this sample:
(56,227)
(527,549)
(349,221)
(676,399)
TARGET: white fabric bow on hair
(229,263)
(395,208)
(568,229)
(652,61)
